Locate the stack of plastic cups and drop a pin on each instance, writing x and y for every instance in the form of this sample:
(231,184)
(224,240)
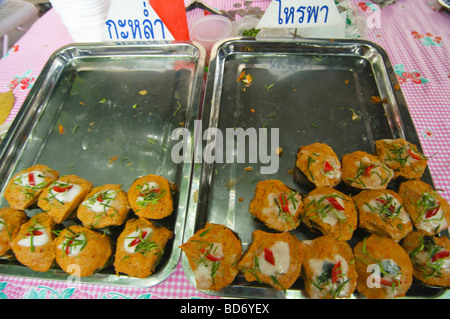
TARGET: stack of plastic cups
(84,19)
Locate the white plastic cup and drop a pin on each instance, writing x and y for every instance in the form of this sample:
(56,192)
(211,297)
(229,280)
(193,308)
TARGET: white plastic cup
(209,29)
(84,19)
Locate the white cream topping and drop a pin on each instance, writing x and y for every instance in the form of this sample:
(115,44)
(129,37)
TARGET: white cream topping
(336,172)
(446,266)
(438,221)
(282,259)
(39,237)
(203,275)
(390,290)
(405,154)
(73,246)
(216,250)
(33,179)
(272,208)
(101,201)
(316,265)
(403,215)
(330,215)
(147,186)
(132,240)
(67,195)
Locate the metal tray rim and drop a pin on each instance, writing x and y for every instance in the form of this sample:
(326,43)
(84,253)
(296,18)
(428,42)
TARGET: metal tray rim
(37,96)
(211,101)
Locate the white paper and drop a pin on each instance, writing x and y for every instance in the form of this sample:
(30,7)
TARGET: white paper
(311,18)
(134,20)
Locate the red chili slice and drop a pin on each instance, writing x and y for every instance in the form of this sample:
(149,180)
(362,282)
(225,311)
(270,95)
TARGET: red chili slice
(100,198)
(440,255)
(391,208)
(268,256)
(327,168)
(432,212)
(138,239)
(336,272)
(389,283)
(414,155)
(284,203)
(61,189)
(368,169)
(147,192)
(68,247)
(31,180)
(334,202)
(212,257)
(382,201)
(209,255)
(35,233)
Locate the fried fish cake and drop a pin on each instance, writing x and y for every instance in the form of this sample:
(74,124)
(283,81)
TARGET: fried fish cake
(362,170)
(382,212)
(140,247)
(317,165)
(276,205)
(81,251)
(273,258)
(213,253)
(402,156)
(104,206)
(150,197)
(331,212)
(33,245)
(328,268)
(384,268)
(429,211)
(24,188)
(430,257)
(63,196)
(10,222)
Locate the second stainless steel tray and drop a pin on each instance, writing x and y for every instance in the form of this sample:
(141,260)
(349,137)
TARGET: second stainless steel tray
(105,112)
(342,93)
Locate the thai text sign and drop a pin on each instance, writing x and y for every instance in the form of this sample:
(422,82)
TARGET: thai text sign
(134,20)
(300,13)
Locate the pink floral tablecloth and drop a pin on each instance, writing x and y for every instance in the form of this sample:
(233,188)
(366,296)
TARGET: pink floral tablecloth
(414,33)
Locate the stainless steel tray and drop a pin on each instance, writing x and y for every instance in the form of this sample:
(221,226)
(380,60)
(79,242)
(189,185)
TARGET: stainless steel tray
(313,91)
(118,105)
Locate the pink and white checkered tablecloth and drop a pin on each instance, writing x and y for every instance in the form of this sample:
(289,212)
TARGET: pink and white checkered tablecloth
(415,34)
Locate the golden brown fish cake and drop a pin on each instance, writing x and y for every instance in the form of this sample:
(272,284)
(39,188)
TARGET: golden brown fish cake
(25,187)
(273,258)
(10,222)
(317,164)
(362,170)
(430,257)
(150,197)
(33,245)
(276,205)
(140,247)
(402,156)
(104,206)
(328,268)
(213,253)
(382,212)
(63,196)
(384,268)
(81,251)
(331,212)
(429,211)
